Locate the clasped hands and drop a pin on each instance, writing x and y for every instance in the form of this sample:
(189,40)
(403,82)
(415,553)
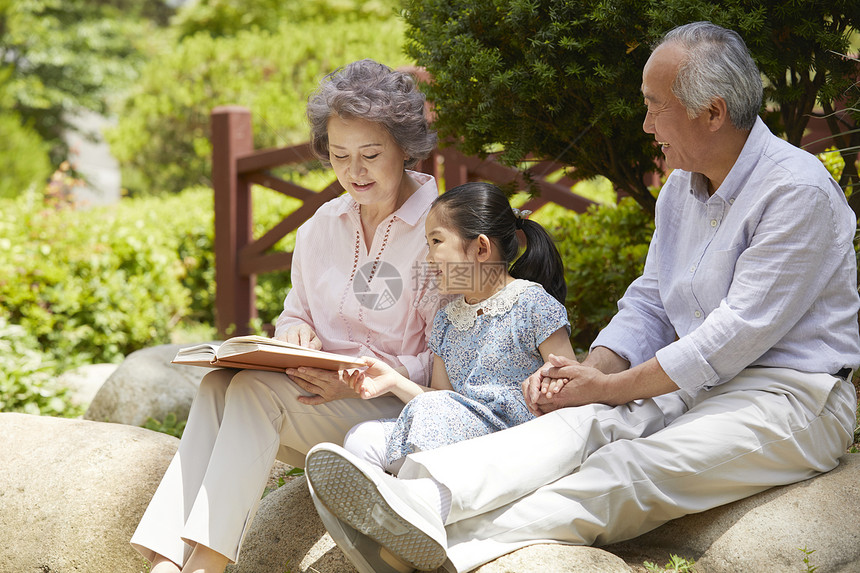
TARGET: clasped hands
(563,382)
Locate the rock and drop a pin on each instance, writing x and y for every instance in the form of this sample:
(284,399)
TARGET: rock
(287,535)
(766,532)
(147,385)
(84,382)
(72,492)
(558,559)
(762,533)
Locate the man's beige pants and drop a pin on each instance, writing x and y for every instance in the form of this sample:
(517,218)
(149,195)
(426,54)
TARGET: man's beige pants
(240,421)
(596,474)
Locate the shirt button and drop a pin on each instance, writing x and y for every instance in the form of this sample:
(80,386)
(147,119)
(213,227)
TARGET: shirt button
(697,314)
(693,269)
(713,222)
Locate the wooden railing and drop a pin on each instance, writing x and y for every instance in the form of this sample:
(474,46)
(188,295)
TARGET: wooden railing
(236,166)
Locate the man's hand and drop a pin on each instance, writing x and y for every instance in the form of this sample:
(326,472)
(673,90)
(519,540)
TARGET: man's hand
(325,385)
(602,378)
(584,385)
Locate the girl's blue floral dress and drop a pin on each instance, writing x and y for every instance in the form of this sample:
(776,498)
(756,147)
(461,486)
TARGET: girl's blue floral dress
(488,349)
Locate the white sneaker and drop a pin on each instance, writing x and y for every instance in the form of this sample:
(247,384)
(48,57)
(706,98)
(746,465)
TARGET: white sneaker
(367,555)
(371,509)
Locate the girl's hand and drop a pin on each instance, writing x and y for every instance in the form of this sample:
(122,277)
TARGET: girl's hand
(551,386)
(378,379)
(546,383)
(303,335)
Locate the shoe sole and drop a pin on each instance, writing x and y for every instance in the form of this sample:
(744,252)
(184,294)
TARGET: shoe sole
(353,497)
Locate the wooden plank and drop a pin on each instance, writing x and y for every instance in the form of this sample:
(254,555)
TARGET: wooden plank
(268,158)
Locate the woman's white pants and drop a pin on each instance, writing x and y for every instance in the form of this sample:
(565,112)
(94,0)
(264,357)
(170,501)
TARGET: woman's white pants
(239,423)
(596,474)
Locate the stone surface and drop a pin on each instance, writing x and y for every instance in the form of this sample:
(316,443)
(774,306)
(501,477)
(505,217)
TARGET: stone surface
(72,492)
(766,532)
(287,535)
(762,533)
(558,559)
(84,382)
(147,385)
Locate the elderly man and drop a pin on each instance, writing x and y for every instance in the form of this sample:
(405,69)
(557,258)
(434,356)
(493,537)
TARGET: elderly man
(725,372)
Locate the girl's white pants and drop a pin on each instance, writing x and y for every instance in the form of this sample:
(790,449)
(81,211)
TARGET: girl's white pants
(239,422)
(596,474)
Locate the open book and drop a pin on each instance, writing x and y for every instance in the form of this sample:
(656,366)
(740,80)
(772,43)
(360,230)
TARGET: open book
(261,353)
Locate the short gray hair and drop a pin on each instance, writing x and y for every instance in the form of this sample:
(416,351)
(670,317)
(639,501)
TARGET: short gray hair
(374,92)
(718,64)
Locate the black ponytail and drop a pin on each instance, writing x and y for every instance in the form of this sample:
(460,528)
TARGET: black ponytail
(478,208)
(541,261)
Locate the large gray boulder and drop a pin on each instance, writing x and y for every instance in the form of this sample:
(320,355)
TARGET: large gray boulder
(72,492)
(147,385)
(766,532)
(762,533)
(84,382)
(558,559)
(288,535)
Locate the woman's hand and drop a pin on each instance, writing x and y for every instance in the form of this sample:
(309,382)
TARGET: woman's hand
(378,379)
(325,385)
(303,335)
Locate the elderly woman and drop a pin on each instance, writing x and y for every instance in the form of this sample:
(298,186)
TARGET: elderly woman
(356,290)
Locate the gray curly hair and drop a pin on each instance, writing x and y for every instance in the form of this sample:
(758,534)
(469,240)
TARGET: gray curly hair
(718,64)
(374,92)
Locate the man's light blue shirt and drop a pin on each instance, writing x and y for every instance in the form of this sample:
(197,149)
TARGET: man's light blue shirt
(762,273)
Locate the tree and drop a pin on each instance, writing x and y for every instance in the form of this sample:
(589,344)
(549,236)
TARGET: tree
(559,79)
(62,55)
(541,78)
(802,49)
(162,139)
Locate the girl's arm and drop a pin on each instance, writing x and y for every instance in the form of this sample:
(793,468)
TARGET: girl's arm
(380,378)
(557,344)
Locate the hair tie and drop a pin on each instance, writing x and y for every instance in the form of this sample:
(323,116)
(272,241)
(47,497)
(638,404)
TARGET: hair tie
(520,215)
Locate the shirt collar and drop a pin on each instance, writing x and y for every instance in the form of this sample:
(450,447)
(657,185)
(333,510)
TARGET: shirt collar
(412,210)
(746,162)
(744,165)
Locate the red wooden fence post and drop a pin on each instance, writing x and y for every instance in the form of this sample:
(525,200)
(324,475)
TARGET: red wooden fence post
(232,137)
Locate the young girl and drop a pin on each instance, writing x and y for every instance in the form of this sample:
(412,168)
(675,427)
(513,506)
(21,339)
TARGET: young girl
(485,343)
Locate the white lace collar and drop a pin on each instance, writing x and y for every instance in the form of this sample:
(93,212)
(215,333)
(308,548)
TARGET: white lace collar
(463,315)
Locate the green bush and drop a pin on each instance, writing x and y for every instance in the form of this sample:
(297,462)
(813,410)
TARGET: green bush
(59,56)
(603,252)
(229,17)
(28,376)
(23,156)
(560,80)
(171,425)
(93,285)
(162,137)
